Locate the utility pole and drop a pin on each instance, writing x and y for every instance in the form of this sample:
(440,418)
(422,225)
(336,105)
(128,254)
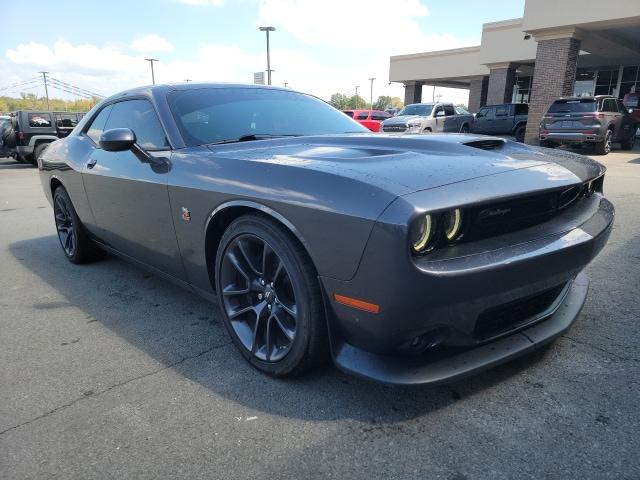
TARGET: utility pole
(187,80)
(357,87)
(286,84)
(267,30)
(46,90)
(151,60)
(372,79)
(433,94)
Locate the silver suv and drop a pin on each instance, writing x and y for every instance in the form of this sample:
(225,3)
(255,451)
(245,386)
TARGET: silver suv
(429,118)
(599,120)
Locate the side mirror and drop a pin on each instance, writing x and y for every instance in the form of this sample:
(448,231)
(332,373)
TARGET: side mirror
(440,113)
(117,140)
(630,110)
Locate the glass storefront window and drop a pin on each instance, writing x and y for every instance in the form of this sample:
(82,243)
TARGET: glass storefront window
(584,85)
(522,89)
(607,82)
(630,80)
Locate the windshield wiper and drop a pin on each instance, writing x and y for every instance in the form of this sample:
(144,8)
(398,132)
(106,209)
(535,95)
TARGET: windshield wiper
(254,136)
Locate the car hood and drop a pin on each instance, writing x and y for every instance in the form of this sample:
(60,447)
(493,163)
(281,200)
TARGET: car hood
(409,163)
(402,119)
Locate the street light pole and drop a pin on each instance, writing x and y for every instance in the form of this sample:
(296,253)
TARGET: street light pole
(151,60)
(267,30)
(372,79)
(46,90)
(357,87)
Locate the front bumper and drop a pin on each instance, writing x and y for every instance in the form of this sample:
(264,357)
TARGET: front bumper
(447,368)
(443,298)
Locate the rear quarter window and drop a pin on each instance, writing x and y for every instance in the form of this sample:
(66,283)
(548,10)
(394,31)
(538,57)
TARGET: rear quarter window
(363,116)
(39,120)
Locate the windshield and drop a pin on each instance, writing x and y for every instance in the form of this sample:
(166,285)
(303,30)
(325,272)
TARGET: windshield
(461,110)
(416,109)
(212,115)
(573,106)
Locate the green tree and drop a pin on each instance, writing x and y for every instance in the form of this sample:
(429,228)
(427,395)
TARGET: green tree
(382,102)
(339,101)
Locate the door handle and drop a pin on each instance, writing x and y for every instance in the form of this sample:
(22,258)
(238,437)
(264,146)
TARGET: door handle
(91,163)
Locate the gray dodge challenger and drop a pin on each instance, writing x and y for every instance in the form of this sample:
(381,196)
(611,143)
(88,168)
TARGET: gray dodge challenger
(406,259)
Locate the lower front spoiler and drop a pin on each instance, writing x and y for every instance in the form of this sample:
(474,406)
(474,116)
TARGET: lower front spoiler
(426,370)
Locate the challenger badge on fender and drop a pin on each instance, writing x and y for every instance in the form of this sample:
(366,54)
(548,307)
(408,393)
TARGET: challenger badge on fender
(186,214)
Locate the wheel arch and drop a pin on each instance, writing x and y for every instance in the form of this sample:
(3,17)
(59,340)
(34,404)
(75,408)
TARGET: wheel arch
(518,125)
(54,183)
(222,216)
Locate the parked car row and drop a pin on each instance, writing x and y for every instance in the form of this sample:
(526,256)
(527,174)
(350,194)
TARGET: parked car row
(25,134)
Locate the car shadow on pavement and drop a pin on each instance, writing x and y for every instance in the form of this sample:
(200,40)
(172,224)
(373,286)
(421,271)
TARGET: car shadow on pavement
(183,332)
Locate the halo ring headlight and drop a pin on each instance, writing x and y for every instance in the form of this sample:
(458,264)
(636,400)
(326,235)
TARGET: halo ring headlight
(453,225)
(422,234)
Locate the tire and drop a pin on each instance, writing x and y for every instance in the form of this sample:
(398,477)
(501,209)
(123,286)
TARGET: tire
(76,244)
(630,142)
(274,315)
(604,147)
(37,151)
(519,133)
(464,129)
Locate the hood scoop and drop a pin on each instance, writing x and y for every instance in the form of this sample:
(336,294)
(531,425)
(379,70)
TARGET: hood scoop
(486,144)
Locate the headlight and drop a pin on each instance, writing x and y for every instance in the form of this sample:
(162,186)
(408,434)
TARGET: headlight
(453,225)
(422,232)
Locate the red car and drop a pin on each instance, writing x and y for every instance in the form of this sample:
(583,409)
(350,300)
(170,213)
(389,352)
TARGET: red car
(368,118)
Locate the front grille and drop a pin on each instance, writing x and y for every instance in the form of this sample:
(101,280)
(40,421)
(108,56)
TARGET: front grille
(394,128)
(510,316)
(511,215)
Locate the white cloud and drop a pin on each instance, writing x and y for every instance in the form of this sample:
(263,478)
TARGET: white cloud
(152,43)
(204,3)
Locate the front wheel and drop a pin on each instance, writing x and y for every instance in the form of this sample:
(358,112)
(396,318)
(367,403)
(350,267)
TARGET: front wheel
(519,134)
(464,129)
(270,297)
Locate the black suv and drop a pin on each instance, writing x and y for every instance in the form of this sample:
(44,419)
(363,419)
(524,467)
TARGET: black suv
(598,120)
(31,132)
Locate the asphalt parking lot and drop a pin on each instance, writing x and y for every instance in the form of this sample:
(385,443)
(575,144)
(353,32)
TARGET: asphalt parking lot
(107,371)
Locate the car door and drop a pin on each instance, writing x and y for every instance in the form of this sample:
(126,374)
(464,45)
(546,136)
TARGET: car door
(451,120)
(628,125)
(503,122)
(127,193)
(438,119)
(484,120)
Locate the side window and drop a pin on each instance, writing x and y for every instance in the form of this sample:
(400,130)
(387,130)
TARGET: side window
(609,105)
(522,109)
(139,116)
(621,107)
(438,111)
(41,120)
(502,111)
(97,125)
(349,113)
(379,116)
(487,112)
(363,115)
(449,110)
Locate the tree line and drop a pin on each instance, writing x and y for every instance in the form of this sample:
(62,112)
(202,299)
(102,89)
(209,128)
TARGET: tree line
(344,102)
(30,101)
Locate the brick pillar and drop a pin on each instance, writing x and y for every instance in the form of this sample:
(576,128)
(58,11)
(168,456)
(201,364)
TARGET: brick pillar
(412,92)
(554,76)
(478,94)
(501,81)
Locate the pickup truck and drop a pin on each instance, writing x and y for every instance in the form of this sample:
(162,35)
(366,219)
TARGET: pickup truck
(503,119)
(368,118)
(428,118)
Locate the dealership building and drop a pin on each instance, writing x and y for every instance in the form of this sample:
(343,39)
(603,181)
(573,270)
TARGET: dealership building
(558,48)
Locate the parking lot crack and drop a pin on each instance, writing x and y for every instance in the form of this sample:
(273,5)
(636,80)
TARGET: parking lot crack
(603,350)
(92,394)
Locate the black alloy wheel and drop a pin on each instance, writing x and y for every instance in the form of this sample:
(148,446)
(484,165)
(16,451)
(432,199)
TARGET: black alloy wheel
(270,298)
(259,299)
(604,147)
(76,244)
(519,135)
(67,230)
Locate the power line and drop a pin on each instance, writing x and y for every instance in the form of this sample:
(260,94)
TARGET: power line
(83,90)
(18,84)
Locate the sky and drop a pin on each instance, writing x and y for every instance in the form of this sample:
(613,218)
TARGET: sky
(319,46)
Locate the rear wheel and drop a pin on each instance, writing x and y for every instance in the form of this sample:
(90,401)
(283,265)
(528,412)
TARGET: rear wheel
(630,142)
(75,243)
(603,147)
(37,151)
(519,133)
(270,298)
